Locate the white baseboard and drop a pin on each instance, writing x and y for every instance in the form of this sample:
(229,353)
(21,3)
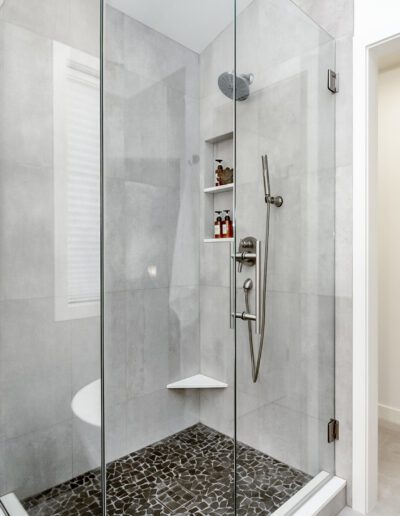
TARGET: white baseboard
(390,414)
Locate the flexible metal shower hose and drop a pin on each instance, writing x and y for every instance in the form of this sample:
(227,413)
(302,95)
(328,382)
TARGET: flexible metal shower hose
(255,366)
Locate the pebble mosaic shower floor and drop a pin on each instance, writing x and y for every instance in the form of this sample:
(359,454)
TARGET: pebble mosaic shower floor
(190,472)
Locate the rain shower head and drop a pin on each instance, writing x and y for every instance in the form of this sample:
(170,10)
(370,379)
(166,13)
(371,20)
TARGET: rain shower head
(243,81)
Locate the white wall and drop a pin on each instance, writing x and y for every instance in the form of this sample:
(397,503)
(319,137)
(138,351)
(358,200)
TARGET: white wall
(375,21)
(388,243)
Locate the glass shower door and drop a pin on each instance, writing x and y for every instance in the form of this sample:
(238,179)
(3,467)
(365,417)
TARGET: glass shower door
(285,360)
(168,345)
(192,180)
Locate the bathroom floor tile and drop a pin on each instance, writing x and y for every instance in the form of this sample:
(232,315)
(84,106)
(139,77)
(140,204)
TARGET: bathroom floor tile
(190,472)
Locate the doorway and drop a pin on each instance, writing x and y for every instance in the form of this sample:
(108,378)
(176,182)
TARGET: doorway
(388,277)
(375,424)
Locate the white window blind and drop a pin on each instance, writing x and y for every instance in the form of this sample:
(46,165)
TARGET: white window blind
(77,183)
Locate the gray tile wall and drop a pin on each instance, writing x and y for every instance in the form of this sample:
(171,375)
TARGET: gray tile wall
(290,115)
(337,18)
(152,176)
(42,362)
(152,233)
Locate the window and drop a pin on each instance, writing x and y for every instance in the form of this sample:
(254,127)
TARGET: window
(76,101)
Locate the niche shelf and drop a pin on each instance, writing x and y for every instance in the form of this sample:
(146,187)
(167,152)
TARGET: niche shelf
(217,240)
(198,381)
(218,189)
(216,198)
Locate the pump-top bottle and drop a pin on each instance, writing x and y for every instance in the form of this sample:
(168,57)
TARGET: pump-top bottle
(218,225)
(227,226)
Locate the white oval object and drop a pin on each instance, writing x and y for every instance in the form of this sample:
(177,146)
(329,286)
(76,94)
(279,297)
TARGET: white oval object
(86,404)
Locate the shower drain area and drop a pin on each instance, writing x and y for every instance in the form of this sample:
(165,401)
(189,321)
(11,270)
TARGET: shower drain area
(190,472)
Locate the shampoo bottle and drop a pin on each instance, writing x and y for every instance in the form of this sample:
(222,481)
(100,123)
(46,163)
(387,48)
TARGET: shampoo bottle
(218,225)
(218,170)
(227,226)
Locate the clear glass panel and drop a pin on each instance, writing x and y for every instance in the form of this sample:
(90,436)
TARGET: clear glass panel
(282,417)
(50,255)
(169,449)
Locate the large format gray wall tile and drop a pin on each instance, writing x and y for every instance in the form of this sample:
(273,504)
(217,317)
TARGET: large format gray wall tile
(73,22)
(216,337)
(286,117)
(152,234)
(85,25)
(38,460)
(85,356)
(86,447)
(344,387)
(158,414)
(25,97)
(31,341)
(26,231)
(48,18)
(335,17)
(344,254)
(184,329)
(34,401)
(146,235)
(42,362)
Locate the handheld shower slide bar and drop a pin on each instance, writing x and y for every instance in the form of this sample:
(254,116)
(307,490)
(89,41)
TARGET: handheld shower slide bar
(250,254)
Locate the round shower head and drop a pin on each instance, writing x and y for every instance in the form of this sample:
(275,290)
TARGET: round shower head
(243,81)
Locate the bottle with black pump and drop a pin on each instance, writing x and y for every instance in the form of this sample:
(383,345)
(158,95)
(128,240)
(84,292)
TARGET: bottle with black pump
(218,225)
(227,226)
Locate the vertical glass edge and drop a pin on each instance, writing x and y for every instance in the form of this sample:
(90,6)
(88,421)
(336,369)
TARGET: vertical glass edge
(234,263)
(102,249)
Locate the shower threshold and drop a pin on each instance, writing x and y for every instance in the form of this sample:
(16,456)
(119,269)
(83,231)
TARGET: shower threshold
(190,472)
(11,506)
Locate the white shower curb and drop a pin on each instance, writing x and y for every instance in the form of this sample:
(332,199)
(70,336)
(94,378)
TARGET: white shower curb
(11,506)
(318,499)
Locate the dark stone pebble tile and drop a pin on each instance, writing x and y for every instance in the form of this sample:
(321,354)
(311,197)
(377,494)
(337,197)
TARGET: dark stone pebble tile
(189,473)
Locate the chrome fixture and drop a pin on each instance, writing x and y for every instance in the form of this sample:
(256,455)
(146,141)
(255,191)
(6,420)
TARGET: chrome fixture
(243,81)
(333,81)
(269,199)
(250,254)
(246,254)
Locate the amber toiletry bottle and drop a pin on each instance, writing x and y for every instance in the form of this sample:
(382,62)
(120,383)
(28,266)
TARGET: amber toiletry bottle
(218,225)
(218,170)
(227,226)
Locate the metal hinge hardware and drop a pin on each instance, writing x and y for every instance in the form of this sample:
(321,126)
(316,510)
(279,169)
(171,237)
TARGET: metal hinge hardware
(333,430)
(333,81)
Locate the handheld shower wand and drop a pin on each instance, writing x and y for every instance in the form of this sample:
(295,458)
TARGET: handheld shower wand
(278,200)
(248,284)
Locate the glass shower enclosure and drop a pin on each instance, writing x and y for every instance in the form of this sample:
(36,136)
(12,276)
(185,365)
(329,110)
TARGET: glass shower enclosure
(167,267)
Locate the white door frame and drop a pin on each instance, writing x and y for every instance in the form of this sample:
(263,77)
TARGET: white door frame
(365,314)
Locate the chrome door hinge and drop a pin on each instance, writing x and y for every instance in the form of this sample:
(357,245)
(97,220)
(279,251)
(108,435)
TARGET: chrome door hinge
(333,81)
(333,430)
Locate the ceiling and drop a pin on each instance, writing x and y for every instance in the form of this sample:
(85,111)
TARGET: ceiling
(192,23)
